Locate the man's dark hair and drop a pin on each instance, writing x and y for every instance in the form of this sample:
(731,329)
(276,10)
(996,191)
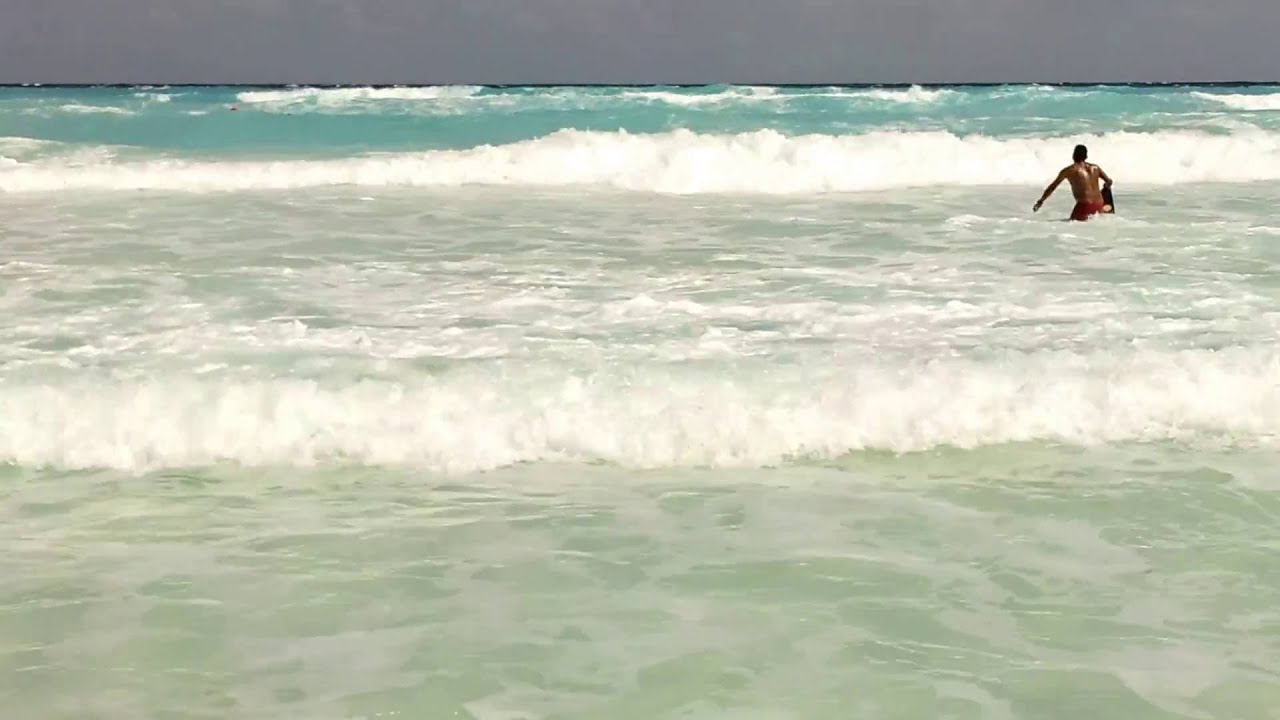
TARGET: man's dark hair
(1080,154)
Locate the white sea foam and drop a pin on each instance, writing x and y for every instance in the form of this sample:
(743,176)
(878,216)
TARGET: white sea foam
(912,95)
(81,109)
(685,162)
(1243,102)
(476,421)
(363,97)
(735,94)
(348,96)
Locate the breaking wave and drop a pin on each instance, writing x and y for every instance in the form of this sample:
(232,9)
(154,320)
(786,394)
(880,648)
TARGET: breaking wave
(332,98)
(647,417)
(1243,102)
(686,162)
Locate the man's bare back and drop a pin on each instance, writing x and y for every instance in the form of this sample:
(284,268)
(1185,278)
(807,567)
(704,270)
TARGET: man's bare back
(1083,177)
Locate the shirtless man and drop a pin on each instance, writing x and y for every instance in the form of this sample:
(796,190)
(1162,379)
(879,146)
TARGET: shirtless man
(1083,177)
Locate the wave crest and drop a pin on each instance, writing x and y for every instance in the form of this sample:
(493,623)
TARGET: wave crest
(685,162)
(337,97)
(645,418)
(1243,102)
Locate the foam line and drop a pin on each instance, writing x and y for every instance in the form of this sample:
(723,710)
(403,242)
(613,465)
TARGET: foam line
(685,162)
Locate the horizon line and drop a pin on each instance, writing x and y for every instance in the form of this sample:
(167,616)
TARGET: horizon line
(1174,83)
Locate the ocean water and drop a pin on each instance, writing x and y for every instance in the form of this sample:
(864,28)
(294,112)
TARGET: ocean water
(749,402)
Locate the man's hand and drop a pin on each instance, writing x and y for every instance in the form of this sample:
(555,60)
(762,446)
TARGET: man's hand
(1039,204)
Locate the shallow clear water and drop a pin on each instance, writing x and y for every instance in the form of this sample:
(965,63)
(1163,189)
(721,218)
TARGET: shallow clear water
(712,402)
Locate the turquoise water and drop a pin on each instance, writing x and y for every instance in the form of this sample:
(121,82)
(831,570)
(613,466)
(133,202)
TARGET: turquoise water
(637,403)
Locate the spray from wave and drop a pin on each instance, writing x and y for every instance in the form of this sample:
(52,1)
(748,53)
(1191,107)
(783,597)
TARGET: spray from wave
(686,162)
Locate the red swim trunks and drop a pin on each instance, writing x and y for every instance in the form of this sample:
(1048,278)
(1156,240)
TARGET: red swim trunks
(1086,209)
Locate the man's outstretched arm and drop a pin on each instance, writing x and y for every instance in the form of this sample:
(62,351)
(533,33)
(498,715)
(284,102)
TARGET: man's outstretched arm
(1106,179)
(1049,190)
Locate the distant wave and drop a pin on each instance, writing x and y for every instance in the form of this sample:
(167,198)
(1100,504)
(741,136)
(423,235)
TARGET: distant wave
(1243,102)
(80,109)
(647,417)
(913,95)
(428,99)
(154,97)
(337,97)
(686,98)
(749,94)
(686,162)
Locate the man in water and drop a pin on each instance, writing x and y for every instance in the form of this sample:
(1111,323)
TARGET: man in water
(1083,177)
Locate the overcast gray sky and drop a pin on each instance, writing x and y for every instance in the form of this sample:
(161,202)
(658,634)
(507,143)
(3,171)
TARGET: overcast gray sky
(625,41)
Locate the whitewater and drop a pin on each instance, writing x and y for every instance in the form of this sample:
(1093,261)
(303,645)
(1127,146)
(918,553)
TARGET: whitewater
(498,402)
